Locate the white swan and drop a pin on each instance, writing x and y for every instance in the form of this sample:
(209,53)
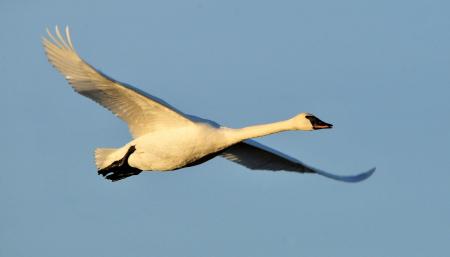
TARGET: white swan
(166,139)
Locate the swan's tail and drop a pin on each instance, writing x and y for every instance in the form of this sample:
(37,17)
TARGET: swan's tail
(353,178)
(101,156)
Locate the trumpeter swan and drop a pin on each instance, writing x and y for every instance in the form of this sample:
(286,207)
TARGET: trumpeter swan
(166,139)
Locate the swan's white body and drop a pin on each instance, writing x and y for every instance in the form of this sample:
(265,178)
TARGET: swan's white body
(171,149)
(166,139)
(174,148)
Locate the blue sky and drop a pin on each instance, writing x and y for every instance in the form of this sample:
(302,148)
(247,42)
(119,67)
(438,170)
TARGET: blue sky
(378,70)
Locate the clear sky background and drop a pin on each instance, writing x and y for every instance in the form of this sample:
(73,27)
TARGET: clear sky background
(378,70)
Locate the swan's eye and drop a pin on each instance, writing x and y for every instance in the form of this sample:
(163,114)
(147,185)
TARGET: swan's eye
(311,118)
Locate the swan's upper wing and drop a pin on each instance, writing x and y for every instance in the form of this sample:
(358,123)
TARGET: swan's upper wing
(143,113)
(256,156)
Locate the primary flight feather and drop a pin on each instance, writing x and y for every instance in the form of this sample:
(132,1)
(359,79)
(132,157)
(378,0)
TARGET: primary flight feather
(166,139)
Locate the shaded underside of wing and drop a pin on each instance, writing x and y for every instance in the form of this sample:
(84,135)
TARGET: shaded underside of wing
(142,112)
(256,156)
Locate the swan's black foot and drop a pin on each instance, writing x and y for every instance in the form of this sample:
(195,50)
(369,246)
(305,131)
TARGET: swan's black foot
(120,169)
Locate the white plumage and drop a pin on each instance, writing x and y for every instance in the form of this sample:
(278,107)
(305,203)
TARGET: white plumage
(165,138)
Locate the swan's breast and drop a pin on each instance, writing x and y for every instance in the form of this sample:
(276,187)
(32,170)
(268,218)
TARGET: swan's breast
(175,147)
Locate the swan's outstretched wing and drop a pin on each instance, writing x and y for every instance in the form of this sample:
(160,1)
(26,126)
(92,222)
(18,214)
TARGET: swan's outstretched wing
(143,113)
(256,156)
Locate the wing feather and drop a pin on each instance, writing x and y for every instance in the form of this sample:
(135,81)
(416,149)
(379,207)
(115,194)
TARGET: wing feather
(256,156)
(142,112)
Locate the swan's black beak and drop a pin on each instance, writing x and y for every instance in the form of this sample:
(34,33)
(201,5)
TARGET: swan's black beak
(322,125)
(318,124)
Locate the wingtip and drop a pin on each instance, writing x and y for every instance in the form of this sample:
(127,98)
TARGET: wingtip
(58,39)
(351,179)
(365,175)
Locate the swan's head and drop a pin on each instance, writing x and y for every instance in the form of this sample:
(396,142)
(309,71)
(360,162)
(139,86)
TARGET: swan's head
(307,121)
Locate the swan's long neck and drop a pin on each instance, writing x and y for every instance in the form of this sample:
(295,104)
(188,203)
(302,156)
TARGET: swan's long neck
(237,135)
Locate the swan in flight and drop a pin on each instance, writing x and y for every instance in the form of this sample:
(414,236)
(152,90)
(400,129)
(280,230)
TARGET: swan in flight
(166,139)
